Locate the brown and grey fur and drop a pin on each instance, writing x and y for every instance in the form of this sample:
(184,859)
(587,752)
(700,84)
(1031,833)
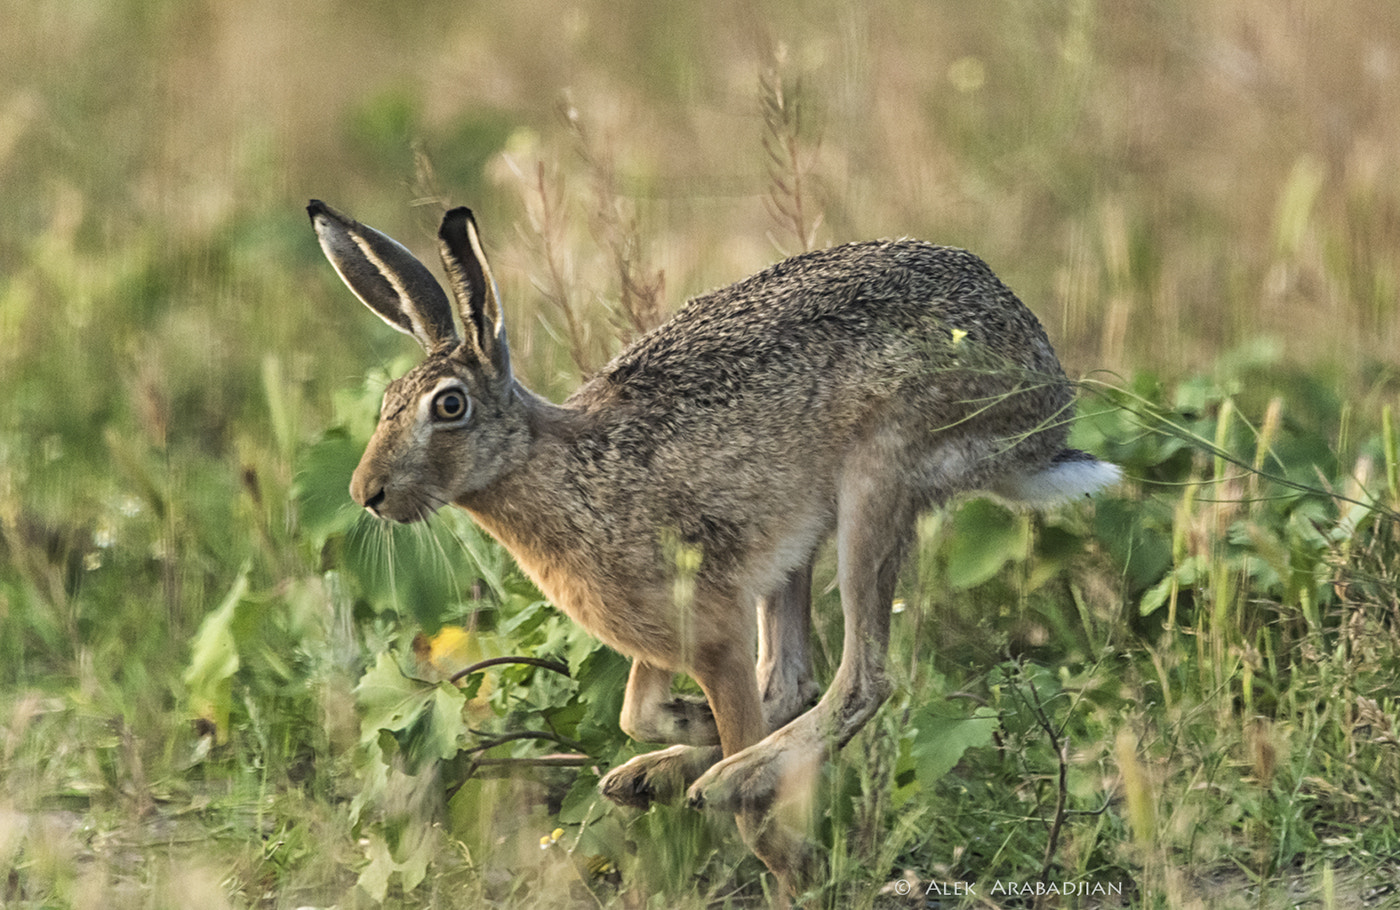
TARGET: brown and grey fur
(839,392)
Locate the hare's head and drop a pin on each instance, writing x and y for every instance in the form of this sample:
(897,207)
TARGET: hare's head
(452,424)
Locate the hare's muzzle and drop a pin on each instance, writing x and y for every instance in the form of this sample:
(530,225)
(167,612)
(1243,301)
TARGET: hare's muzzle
(374,487)
(368,491)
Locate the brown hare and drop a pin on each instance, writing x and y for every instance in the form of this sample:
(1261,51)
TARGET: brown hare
(839,392)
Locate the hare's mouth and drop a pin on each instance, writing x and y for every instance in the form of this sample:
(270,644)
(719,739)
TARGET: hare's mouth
(401,510)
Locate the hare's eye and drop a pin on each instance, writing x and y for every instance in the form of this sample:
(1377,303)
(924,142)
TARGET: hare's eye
(450,405)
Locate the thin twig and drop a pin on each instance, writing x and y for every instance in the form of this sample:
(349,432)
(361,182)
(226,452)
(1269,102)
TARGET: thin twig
(1057,821)
(555,760)
(480,665)
(526,734)
(614,225)
(558,291)
(561,760)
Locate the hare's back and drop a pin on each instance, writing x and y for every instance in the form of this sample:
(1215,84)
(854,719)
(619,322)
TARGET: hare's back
(850,319)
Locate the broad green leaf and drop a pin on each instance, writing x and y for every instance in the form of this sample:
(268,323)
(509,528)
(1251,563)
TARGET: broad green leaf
(583,804)
(486,555)
(602,678)
(941,741)
(374,878)
(985,536)
(322,487)
(1137,535)
(525,621)
(388,699)
(415,570)
(445,725)
(412,865)
(1184,575)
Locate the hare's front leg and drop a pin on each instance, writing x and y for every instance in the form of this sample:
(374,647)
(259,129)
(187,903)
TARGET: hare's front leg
(651,714)
(660,776)
(724,670)
(874,518)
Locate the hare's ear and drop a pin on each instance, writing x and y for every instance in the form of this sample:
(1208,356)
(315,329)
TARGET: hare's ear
(386,276)
(478,301)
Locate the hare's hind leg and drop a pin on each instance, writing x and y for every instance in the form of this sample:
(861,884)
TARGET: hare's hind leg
(729,681)
(785,680)
(770,785)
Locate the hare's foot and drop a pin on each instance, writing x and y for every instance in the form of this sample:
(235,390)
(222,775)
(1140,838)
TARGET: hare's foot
(785,850)
(779,769)
(657,776)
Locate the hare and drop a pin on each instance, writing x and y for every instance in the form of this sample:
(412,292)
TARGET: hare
(842,391)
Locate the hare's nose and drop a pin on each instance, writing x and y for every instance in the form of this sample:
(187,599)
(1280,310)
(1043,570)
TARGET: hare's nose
(374,501)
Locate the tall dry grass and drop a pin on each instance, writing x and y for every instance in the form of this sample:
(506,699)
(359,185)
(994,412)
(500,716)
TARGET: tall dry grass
(1161,183)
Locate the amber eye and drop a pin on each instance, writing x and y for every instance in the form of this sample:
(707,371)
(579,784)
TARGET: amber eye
(451,405)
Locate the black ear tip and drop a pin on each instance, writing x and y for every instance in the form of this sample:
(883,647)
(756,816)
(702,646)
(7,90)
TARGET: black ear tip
(456,220)
(316,208)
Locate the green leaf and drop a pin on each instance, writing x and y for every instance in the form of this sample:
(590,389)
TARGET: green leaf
(1191,570)
(1138,536)
(984,537)
(214,659)
(525,621)
(486,555)
(388,699)
(322,486)
(410,861)
(417,570)
(583,804)
(602,679)
(445,725)
(374,878)
(941,740)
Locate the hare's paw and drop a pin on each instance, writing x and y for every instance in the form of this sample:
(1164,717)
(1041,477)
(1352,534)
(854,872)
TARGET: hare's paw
(688,719)
(684,719)
(759,776)
(657,776)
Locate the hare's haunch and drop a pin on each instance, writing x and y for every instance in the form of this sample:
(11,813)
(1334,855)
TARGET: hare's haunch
(840,392)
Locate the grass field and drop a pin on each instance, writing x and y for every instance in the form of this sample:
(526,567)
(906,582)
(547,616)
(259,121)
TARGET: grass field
(221,686)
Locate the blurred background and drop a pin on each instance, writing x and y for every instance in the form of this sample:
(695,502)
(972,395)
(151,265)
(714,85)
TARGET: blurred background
(1159,182)
(1170,186)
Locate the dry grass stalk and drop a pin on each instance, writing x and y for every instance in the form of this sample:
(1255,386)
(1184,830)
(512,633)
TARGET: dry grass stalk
(545,200)
(790,162)
(614,225)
